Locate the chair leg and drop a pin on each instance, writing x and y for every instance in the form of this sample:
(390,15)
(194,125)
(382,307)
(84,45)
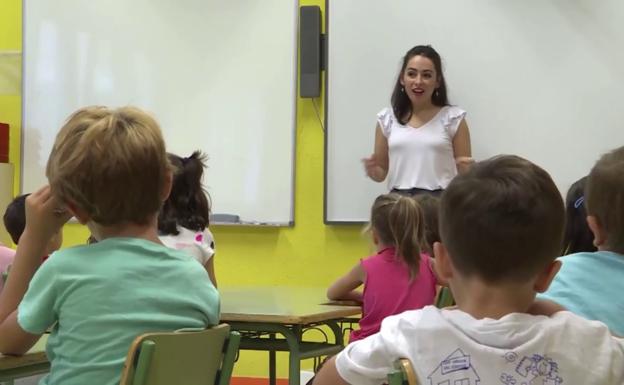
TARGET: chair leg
(229,356)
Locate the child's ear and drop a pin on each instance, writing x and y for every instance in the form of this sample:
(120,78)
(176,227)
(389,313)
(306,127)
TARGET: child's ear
(545,278)
(79,213)
(167,186)
(600,236)
(443,264)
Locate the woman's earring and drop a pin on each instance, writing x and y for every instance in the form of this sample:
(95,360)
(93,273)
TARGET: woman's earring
(402,89)
(436,93)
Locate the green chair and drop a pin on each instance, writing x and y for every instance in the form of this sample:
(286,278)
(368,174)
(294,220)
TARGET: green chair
(444,298)
(403,374)
(190,357)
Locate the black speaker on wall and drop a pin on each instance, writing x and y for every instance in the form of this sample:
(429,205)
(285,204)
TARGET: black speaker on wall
(310,51)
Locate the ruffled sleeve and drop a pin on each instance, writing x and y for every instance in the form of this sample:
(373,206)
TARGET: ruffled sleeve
(205,242)
(385,119)
(452,117)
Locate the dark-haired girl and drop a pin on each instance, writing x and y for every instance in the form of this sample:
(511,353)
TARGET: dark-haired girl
(183,220)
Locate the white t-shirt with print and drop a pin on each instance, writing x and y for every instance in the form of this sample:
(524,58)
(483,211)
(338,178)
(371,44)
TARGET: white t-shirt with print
(421,157)
(199,244)
(449,347)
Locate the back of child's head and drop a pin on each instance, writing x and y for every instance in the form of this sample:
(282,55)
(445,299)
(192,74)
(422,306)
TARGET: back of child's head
(502,221)
(398,221)
(605,197)
(111,164)
(431,206)
(577,236)
(15,217)
(188,204)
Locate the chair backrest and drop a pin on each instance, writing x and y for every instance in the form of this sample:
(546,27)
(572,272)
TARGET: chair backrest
(403,373)
(190,357)
(444,298)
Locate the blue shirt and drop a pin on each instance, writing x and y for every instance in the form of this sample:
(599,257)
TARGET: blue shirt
(592,286)
(100,297)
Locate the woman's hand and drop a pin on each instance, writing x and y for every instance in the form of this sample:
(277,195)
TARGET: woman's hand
(373,168)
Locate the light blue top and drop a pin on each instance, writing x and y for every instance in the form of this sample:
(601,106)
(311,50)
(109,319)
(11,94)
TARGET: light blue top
(100,297)
(592,285)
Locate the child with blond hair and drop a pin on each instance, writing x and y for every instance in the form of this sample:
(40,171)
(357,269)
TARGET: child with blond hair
(109,169)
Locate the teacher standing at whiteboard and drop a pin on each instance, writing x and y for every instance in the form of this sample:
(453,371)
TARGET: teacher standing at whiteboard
(422,142)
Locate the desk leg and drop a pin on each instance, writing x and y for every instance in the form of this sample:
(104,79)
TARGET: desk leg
(338,336)
(292,337)
(272,365)
(294,359)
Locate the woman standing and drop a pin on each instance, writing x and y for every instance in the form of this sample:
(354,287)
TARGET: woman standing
(422,142)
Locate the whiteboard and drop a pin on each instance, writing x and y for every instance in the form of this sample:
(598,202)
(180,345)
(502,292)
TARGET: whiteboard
(542,79)
(219,76)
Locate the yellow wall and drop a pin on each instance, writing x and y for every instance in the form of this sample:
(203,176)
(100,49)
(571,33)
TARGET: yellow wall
(308,254)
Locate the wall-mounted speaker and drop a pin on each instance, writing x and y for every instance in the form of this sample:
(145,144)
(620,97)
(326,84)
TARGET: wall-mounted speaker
(310,51)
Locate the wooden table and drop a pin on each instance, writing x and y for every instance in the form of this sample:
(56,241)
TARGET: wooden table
(32,363)
(260,313)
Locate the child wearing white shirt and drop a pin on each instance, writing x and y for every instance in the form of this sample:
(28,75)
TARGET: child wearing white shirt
(501,225)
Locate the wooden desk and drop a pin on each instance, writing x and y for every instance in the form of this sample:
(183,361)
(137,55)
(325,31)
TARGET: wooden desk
(259,313)
(32,363)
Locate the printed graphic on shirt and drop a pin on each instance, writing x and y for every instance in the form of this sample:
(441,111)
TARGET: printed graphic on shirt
(536,369)
(455,369)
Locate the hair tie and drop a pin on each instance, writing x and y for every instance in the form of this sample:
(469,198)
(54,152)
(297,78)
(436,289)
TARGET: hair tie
(579,202)
(185,160)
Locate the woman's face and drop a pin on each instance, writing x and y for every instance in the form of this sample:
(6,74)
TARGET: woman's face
(419,80)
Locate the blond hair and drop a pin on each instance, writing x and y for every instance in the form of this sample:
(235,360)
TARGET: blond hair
(604,197)
(399,221)
(111,163)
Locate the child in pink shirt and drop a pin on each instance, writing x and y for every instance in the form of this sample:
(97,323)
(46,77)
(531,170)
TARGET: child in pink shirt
(400,276)
(6,259)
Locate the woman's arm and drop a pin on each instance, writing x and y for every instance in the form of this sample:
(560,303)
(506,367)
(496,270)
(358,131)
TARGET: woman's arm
(376,165)
(344,287)
(461,147)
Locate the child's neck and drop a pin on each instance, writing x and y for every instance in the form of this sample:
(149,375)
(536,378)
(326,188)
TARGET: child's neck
(482,300)
(147,231)
(381,246)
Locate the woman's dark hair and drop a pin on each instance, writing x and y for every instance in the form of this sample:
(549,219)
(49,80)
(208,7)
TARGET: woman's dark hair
(401,105)
(188,204)
(577,237)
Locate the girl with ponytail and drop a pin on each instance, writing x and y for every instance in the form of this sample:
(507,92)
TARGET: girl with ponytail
(400,276)
(184,217)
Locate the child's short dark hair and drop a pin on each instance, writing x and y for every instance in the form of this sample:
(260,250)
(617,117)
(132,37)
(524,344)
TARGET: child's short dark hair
(431,206)
(604,196)
(577,236)
(15,217)
(502,220)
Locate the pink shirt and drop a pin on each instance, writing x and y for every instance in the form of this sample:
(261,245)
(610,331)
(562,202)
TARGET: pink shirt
(6,258)
(388,289)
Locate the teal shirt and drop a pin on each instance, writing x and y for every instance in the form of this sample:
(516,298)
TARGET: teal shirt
(98,298)
(592,286)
